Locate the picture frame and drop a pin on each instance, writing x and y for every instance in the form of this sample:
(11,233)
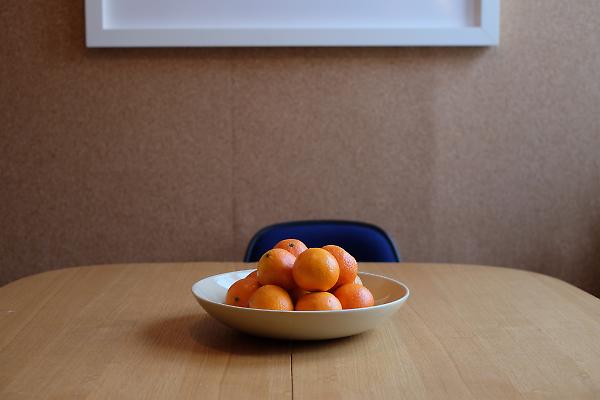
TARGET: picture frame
(268,23)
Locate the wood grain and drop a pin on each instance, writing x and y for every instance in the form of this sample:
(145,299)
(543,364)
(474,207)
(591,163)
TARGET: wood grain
(130,332)
(466,333)
(135,331)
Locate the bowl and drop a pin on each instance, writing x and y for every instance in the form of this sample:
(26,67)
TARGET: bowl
(389,296)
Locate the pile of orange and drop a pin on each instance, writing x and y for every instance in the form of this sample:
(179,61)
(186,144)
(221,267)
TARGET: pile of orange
(291,276)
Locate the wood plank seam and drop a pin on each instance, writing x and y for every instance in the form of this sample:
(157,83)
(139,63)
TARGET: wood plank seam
(292,370)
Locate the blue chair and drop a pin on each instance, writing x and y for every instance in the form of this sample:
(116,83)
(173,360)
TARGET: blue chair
(364,241)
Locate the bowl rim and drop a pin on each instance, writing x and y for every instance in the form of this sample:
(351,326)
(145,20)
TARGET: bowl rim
(293,312)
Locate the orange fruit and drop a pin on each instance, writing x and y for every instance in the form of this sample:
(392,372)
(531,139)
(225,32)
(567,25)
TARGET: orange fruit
(297,292)
(271,297)
(239,293)
(253,275)
(275,268)
(294,246)
(353,295)
(318,301)
(347,263)
(316,270)
(356,280)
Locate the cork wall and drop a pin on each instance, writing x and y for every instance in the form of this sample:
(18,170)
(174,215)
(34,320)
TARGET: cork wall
(466,155)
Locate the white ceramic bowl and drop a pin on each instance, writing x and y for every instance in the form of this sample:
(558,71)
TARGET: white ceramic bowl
(389,295)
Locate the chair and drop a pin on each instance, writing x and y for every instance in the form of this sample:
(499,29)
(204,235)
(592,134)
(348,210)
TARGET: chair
(366,242)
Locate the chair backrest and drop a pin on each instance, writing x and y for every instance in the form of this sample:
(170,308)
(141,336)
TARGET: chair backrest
(366,242)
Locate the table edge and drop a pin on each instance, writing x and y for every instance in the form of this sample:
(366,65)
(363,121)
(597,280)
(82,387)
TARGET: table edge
(419,264)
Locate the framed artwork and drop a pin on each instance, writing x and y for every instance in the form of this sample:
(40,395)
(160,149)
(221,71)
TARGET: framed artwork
(260,23)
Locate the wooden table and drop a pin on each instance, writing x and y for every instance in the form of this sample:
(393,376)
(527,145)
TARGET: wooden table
(135,331)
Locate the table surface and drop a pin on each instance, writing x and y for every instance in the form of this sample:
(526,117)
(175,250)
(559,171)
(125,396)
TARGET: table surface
(135,331)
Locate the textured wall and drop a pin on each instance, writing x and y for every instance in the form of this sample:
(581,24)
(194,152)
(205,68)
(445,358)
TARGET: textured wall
(488,156)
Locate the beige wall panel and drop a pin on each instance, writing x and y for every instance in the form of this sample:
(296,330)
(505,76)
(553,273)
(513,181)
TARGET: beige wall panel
(108,155)
(326,134)
(487,156)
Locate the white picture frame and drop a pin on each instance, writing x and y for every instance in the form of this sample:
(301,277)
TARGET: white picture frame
(120,23)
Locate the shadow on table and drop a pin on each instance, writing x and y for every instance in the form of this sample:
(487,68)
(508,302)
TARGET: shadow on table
(202,333)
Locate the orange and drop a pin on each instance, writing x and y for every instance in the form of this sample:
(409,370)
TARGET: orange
(318,301)
(239,293)
(347,263)
(275,268)
(353,295)
(271,297)
(316,270)
(356,280)
(294,246)
(253,275)
(297,292)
